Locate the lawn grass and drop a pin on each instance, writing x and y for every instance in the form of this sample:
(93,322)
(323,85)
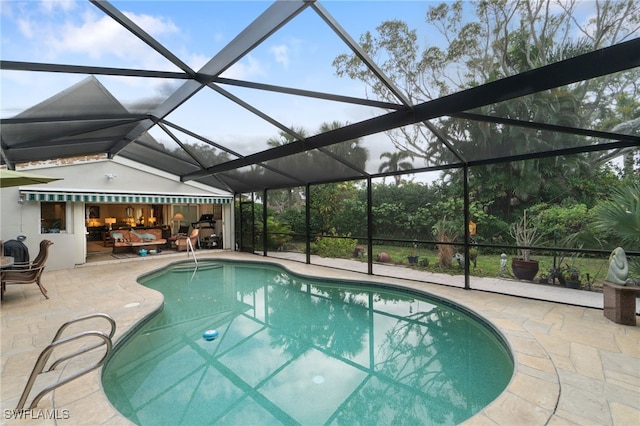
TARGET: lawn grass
(488,265)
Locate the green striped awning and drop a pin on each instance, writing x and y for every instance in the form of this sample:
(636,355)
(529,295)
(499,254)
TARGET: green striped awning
(92,197)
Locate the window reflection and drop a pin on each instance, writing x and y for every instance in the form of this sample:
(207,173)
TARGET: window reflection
(52,217)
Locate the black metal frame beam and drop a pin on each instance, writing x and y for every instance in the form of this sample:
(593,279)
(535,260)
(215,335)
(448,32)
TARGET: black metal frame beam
(203,139)
(276,16)
(128,24)
(308,93)
(360,53)
(253,110)
(81,69)
(83,117)
(548,127)
(66,135)
(605,61)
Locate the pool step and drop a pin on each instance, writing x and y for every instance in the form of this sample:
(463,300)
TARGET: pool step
(189,267)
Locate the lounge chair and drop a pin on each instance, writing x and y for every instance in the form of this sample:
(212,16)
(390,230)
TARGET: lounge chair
(27,272)
(181,240)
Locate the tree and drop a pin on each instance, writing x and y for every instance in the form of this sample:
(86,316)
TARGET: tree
(395,163)
(505,38)
(619,216)
(340,159)
(326,202)
(351,152)
(285,138)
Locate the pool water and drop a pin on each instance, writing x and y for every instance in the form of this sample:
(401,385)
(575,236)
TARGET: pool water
(300,350)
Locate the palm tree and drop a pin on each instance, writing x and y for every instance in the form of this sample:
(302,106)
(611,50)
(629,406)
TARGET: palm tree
(351,150)
(395,163)
(619,217)
(286,138)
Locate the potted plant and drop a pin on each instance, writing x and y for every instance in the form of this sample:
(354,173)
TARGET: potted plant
(570,276)
(525,235)
(413,257)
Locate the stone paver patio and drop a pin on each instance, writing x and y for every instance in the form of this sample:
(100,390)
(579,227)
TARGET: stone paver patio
(573,366)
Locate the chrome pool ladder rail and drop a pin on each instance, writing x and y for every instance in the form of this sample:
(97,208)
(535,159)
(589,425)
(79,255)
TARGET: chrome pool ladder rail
(57,342)
(193,252)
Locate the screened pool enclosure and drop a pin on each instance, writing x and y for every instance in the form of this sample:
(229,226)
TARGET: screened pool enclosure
(365,131)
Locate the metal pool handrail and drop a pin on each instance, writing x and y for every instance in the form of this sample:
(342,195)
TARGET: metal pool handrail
(56,342)
(193,252)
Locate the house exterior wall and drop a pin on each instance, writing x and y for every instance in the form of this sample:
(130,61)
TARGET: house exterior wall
(70,248)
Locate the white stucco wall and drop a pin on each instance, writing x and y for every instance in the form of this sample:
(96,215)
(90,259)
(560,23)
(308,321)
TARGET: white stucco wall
(69,247)
(24,219)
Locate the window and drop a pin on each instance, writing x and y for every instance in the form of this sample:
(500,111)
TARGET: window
(189,213)
(53,217)
(217,212)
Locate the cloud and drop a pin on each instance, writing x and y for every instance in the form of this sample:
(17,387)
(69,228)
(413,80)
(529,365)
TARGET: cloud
(219,37)
(281,54)
(49,6)
(246,68)
(197,61)
(26,28)
(100,37)
(156,26)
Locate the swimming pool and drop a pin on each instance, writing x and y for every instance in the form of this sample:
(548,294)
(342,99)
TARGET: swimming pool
(300,350)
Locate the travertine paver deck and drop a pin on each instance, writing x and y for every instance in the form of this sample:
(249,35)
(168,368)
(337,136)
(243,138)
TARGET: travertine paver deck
(573,366)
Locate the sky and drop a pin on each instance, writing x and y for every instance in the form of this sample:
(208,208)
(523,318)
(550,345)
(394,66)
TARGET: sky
(76,32)
(299,55)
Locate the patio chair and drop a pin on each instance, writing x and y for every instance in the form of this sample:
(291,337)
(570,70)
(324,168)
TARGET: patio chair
(27,272)
(181,241)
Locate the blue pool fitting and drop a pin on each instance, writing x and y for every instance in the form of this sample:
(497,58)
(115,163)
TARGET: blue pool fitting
(210,334)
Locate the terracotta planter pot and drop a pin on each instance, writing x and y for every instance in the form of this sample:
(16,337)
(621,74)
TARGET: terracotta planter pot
(524,269)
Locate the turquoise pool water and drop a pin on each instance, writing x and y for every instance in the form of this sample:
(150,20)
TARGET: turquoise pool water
(299,350)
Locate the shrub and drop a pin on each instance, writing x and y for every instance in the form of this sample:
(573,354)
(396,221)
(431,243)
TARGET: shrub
(445,231)
(334,246)
(278,234)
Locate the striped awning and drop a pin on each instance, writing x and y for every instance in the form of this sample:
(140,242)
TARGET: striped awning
(92,197)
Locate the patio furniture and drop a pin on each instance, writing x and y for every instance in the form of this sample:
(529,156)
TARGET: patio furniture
(132,239)
(212,241)
(181,240)
(27,272)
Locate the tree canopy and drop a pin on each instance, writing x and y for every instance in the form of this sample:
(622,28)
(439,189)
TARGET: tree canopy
(492,39)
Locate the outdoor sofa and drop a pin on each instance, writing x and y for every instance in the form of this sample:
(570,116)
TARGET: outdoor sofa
(130,239)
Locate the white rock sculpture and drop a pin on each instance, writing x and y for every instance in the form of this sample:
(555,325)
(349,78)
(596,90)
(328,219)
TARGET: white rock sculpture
(618,267)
